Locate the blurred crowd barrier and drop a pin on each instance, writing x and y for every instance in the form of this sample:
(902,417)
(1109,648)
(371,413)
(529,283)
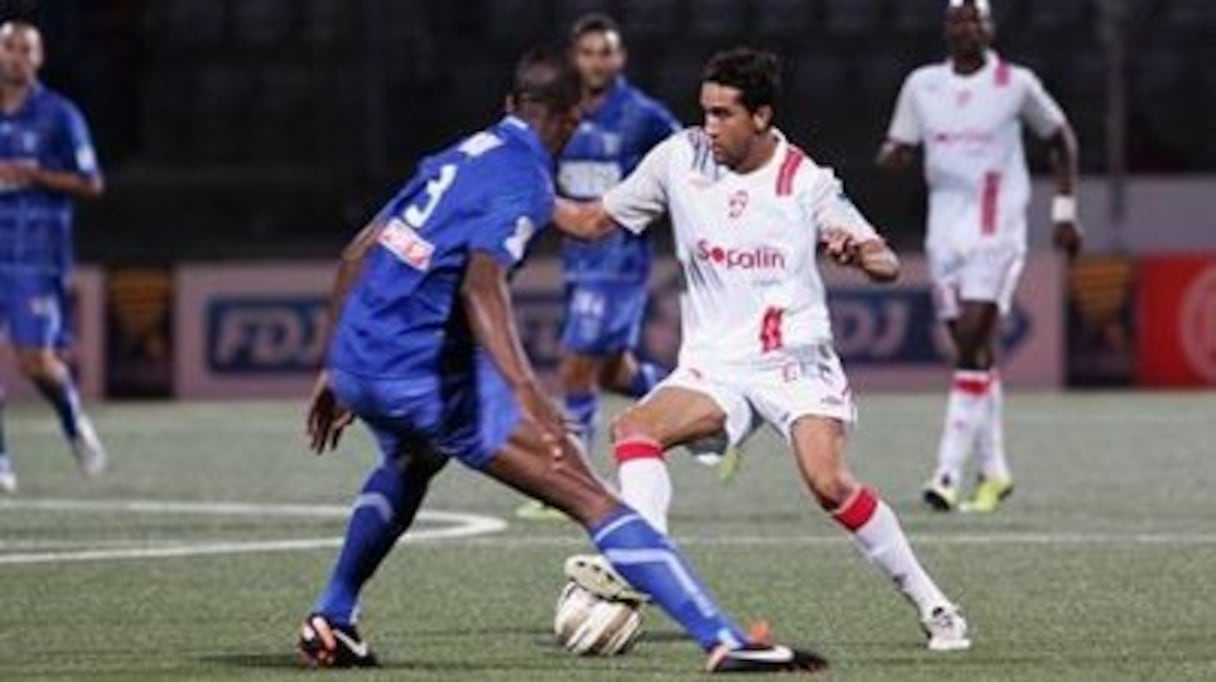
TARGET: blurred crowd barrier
(215,331)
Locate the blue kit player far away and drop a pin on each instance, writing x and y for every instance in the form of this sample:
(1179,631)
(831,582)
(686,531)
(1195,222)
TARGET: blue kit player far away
(424,350)
(46,161)
(606,280)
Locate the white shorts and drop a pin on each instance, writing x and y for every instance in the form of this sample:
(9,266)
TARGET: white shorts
(811,382)
(988,271)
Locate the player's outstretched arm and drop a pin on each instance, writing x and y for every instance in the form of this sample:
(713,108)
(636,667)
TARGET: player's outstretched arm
(870,255)
(487,302)
(1063,145)
(582,219)
(326,416)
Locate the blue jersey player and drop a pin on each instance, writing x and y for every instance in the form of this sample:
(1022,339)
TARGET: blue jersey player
(606,280)
(46,160)
(426,353)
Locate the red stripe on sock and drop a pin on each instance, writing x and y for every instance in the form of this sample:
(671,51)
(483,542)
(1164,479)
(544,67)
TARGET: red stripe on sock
(858,510)
(976,386)
(637,448)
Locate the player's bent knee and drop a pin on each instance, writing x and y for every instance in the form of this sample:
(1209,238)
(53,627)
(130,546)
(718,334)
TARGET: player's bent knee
(578,372)
(38,364)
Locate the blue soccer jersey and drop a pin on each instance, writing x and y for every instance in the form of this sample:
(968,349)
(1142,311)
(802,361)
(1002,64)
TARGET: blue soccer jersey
(608,144)
(403,318)
(36,224)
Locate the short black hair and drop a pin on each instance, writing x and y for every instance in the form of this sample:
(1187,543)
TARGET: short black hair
(546,76)
(593,22)
(755,73)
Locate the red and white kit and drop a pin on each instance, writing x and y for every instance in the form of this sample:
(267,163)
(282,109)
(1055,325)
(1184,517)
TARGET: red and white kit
(756,333)
(971,130)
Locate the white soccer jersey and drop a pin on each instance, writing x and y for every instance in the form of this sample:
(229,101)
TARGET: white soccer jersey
(971,129)
(747,245)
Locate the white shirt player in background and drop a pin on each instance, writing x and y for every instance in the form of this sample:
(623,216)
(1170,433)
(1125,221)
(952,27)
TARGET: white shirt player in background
(750,212)
(967,115)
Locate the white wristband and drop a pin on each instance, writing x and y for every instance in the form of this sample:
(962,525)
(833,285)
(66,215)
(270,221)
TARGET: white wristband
(1064,209)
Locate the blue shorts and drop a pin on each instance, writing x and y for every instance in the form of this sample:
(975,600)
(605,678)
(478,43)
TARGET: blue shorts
(603,318)
(33,308)
(466,415)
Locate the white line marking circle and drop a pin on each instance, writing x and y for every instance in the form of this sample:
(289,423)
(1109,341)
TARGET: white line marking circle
(457,525)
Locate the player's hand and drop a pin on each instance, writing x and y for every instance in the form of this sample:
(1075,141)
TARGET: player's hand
(326,416)
(1067,238)
(541,411)
(840,246)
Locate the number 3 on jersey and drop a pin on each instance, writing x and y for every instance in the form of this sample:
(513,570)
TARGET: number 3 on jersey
(770,329)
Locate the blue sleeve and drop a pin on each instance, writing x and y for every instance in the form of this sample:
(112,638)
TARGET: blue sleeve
(514,210)
(660,125)
(75,151)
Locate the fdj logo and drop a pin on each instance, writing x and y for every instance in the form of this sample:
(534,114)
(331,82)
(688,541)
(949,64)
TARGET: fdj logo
(899,327)
(265,335)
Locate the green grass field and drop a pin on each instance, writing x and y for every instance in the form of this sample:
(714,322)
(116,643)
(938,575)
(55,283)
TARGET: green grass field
(1101,567)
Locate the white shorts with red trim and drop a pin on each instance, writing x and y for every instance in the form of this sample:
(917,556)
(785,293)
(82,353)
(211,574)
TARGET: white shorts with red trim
(808,382)
(987,271)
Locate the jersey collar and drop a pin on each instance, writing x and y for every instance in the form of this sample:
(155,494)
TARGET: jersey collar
(991,59)
(516,127)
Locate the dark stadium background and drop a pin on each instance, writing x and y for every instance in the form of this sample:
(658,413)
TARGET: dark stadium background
(254,128)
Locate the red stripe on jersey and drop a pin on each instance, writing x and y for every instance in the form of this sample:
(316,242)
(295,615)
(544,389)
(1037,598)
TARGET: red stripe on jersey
(1001,75)
(988,202)
(637,448)
(789,167)
(858,510)
(770,329)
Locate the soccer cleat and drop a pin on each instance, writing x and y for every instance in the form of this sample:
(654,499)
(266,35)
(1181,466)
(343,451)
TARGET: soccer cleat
(593,573)
(326,645)
(535,510)
(988,495)
(8,482)
(90,454)
(940,495)
(764,658)
(946,629)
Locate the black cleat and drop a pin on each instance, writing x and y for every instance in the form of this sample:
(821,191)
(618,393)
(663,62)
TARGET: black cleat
(326,645)
(765,658)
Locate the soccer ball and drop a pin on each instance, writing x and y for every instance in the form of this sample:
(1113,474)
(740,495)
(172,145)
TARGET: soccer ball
(589,625)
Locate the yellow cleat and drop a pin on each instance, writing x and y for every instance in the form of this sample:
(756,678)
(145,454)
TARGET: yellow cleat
(988,495)
(941,496)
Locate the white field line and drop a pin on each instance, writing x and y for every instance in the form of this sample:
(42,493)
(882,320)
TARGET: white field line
(454,525)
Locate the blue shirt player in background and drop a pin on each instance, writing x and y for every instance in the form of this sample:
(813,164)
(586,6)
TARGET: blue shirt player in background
(46,161)
(606,281)
(425,352)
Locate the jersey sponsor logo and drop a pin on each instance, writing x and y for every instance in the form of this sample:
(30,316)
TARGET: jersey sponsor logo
(758,258)
(407,245)
(968,138)
(265,334)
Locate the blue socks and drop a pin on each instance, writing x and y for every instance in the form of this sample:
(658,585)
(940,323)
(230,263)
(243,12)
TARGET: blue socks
(652,564)
(383,511)
(63,397)
(581,409)
(646,378)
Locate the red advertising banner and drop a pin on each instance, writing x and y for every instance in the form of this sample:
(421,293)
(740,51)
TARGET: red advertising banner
(1176,330)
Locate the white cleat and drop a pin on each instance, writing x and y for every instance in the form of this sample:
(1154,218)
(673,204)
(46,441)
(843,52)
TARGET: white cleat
(8,482)
(593,573)
(946,629)
(86,446)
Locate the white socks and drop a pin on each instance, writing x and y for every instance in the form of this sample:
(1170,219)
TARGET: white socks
(881,539)
(991,444)
(644,480)
(968,415)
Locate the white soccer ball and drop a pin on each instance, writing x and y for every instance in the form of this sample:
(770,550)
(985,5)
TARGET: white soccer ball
(588,625)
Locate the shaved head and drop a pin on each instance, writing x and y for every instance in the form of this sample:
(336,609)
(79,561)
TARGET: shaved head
(20,53)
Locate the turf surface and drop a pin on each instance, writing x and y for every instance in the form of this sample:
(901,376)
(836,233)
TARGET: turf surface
(1100,568)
